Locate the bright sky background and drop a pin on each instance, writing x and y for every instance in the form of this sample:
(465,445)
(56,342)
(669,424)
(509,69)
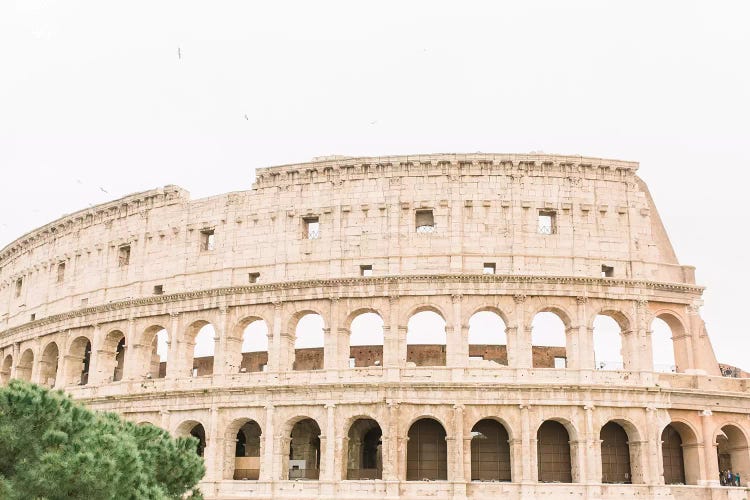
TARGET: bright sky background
(95,102)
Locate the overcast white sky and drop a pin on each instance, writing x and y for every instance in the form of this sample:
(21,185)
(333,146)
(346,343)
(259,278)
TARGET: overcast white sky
(95,102)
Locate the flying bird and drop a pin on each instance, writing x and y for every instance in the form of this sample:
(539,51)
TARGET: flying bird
(179,53)
(103,190)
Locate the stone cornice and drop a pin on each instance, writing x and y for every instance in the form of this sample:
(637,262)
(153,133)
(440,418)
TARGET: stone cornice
(521,280)
(438,164)
(127,205)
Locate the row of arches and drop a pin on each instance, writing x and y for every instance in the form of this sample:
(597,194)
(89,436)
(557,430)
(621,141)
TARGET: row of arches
(491,454)
(426,341)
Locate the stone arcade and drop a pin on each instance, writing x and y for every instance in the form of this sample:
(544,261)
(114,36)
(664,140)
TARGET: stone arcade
(113,304)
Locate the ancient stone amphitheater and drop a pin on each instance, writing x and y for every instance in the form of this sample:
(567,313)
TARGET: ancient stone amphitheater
(189,315)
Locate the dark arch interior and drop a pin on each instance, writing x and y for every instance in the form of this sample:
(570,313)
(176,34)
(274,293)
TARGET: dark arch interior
(671,450)
(426,451)
(304,450)
(615,454)
(247,452)
(553,453)
(85,363)
(490,452)
(199,433)
(119,360)
(364,459)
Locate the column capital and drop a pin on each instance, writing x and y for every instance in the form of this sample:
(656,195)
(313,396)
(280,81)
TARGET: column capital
(224,309)
(456,298)
(641,303)
(519,298)
(393,298)
(334,299)
(329,406)
(524,406)
(582,299)
(459,408)
(588,406)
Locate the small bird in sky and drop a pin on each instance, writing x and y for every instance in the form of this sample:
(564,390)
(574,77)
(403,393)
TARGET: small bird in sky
(246,118)
(179,53)
(103,190)
(373,122)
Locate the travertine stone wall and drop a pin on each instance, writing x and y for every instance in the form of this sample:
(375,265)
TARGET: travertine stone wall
(236,258)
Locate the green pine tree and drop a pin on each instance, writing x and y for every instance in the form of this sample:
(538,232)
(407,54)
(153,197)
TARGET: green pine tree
(54,448)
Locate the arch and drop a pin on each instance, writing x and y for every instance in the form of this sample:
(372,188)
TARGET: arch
(733,455)
(608,342)
(309,339)
(254,348)
(553,453)
(202,339)
(548,340)
(496,310)
(426,338)
(427,451)
(680,453)
(157,337)
(48,365)
(490,451)
(112,357)
(364,459)
(304,450)
(487,338)
(615,454)
(665,328)
(5,369)
(25,365)
(79,361)
(359,312)
(195,429)
(366,338)
(244,443)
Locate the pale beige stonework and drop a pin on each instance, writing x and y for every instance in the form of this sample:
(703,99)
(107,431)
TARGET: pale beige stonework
(485,209)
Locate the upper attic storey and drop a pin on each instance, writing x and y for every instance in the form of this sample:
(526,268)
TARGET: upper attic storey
(123,207)
(327,169)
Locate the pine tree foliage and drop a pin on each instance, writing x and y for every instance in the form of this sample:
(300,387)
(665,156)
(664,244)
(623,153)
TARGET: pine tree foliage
(53,448)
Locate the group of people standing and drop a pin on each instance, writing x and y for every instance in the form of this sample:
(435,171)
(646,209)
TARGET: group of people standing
(729,478)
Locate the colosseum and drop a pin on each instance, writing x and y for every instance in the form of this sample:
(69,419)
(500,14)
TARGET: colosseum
(394,327)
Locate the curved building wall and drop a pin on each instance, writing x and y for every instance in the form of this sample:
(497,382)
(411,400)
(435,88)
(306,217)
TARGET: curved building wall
(82,299)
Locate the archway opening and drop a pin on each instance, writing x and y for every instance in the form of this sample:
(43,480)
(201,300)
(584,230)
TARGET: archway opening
(487,338)
(255,347)
(364,457)
(615,454)
(304,450)
(366,340)
(203,351)
(427,451)
(25,366)
(607,343)
(548,341)
(159,352)
(553,453)
(426,339)
(48,365)
(308,343)
(247,452)
(199,433)
(662,346)
(119,360)
(733,456)
(490,451)
(5,370)
(672,456)
(78,362)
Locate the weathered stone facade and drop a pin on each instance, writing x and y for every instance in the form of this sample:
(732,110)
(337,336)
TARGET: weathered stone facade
(82,300)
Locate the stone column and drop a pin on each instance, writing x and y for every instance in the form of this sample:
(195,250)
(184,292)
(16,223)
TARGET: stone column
(710,473)
(528,453)
(654,474)
(457,348)
(644,350)
(458,445)
(390,444)
(267,465)
(95,362)
(331,339)
(521,345)
(174,363)
(221,356)
(132,369)
(328,442)
(593,462)
(391,346)
(274,341)
(213,447)
(17,360)
(585,338)
(692,344)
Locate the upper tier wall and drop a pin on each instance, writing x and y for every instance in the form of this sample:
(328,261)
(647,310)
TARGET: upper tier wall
(485,209)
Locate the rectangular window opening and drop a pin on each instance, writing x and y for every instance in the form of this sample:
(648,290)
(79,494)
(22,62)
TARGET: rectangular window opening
(253,277)
(33,316)
(61,272)
(560,362)
(352,362)
(158,289)
(425,221)
(19,287)
(488,268)
(312,228)
(123,255)
(547,223)
(207,240)
(608,271)
(365,270)
(84,302)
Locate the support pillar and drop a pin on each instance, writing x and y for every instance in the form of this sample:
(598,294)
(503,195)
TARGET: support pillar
(331,339)
(457,348)
(329,457)
(221,354)
(710,472)
(521,346)
(268,464)
(276,362)
(174,363)
(527,455)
